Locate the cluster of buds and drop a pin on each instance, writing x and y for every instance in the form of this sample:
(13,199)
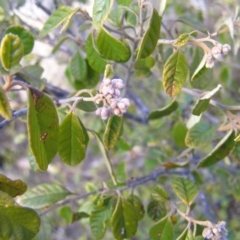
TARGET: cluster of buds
(216,232)
(109,93)
(217,53)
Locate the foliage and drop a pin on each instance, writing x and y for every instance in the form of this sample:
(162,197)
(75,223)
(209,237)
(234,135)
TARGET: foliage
(155,98)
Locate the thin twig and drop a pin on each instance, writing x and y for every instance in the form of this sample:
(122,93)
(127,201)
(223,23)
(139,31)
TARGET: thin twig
(130,184)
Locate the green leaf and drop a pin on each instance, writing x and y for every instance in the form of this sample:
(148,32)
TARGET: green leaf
(26,37)
(60,16)
(199,135)
(112,48)
(179,133)
(151,36)
(156,114)
(101,9)
(44,195)
(124,220)
(108,72)
(78,66)
(186,235)
(159,194)
(112,132)
(86,106)
(32,74)
(175,73)
(116,15)
(106,157)
(156,210)
(17,223)
(73,140)
(13,188)
(182,40)
(132,14)
(43,127)
(6,199)
(137,204)
(78,216)
(142,66)
(94,59)
(11,51)
(45,229)
(201,68)
(222,149)
(186,190)
(98,220)
(5,109)
(60,42)
(66,213)
(162,230)
(124,2)
(203,102)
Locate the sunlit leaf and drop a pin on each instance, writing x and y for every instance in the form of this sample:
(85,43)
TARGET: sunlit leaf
(162,230)
(182,40)
(186,190)
(44,195)
(101,9)
(60,16)
(11,51)
(132,14)
(222,149)
(156,210)
(159,194)
(12,187)
(26,37)
(199,135)
(112,48)
(151,36)
(42,127)
(175,73)
(112,132)
(5,109)
(18,223)
(78,66)
(124,221)
(203,102)
(167,110)
(73,140)
(6,199)
(200,70)
(94,59)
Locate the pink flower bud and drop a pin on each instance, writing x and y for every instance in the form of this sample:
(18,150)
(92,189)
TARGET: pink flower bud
(98,111)
(126,101)
(121,105)
(105,113)
(117,92)
(106,81)
(113,104)
(216,50)
(225,49)
(117,112)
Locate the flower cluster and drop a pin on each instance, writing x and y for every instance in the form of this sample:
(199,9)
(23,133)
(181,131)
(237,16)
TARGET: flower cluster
(216,232)
(109,93)
(217,53)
